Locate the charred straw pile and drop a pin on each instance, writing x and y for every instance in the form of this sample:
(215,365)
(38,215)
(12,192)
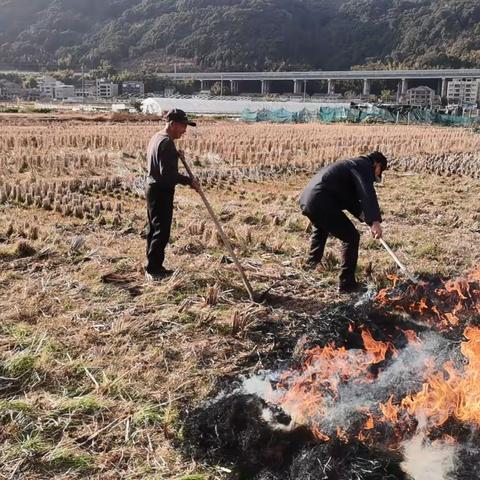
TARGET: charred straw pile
(377,392)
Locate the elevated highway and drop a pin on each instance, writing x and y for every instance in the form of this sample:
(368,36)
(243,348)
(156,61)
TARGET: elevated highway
(299,79)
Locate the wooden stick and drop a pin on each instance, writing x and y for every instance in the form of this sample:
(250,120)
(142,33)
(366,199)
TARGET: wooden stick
(219,228)
(398,262)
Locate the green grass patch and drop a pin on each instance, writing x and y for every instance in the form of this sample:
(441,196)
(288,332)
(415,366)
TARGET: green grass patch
(371,244)
(21,335)
(148,415)
(185,317)
(429,250)
(37,110)
(20,364)
(15,406)
(86,405)
(19,412)
(64,459)
(10,110)
(33,445)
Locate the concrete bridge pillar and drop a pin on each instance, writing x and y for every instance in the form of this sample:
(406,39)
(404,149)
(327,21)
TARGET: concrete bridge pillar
(204,85)
(234,88)
(404,86)
(298,87)
(443,91)
(265,87)
(366,87)
(331,87)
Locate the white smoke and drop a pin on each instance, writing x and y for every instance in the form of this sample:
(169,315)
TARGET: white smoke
(426,460)
(259,385)
(403,375)
(423,459)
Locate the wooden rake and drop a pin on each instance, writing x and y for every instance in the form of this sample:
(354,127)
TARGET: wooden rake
(220,231)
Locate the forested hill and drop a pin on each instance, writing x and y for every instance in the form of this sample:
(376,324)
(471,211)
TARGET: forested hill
(240,34)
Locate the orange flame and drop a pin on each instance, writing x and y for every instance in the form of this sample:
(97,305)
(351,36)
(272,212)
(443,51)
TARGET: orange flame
(390,411)
(377,349)
(369,424)
(440,307)
(412,337)
(452,391)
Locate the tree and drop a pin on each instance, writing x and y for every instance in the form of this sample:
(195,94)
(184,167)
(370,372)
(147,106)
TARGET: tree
(217,89)
(186,87)
(104,70)
(30,82)
(65,61)
(385,95)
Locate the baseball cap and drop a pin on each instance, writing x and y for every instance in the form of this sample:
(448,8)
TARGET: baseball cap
(380,158)
(177,115)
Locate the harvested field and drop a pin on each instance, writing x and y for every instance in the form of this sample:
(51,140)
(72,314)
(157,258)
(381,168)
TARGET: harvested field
(99,370)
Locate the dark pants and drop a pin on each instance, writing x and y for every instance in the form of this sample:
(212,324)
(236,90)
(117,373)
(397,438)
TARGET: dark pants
(160,214)
(328,219)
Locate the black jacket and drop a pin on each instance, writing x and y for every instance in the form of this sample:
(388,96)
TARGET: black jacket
(162,163)
(350,184)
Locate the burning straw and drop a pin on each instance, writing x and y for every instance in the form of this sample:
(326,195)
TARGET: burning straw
(399,393)
(385,395)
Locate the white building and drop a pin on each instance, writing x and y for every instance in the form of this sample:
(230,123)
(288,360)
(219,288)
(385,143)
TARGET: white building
(88,89)
(421,97)
(63,92)
(106,89)
(463,91)
(52,88)
(47,86)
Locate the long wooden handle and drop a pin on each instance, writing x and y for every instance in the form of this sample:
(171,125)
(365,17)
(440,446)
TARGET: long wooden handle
(219,228)
(397,261)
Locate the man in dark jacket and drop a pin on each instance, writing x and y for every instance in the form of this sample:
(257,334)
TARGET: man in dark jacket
(163,176)
(344,185)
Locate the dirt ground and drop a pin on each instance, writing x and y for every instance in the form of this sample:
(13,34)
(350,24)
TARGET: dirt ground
(99,368)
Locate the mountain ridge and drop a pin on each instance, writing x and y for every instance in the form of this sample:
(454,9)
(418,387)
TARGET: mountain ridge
(240,34)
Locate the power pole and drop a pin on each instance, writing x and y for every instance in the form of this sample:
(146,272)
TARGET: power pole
(221,85)
(83,85)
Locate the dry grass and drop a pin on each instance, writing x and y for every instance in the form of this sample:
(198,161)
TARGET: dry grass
(97,367)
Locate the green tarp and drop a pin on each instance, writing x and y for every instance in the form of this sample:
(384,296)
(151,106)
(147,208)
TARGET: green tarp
(354,114)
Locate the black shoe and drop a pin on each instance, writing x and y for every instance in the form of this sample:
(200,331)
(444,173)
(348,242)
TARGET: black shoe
(348,287)
(157,276)
(311,264)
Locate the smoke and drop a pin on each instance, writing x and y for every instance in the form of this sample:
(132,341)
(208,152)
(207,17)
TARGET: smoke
(426,460)
(405,374)
(259,385)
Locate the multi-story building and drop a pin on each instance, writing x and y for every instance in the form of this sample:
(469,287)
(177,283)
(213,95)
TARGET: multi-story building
(463,91)
(10,90)
(106,89)
(52,88)
(63,92)
(47,86)
(88,89)
(421,97)
(133,89)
